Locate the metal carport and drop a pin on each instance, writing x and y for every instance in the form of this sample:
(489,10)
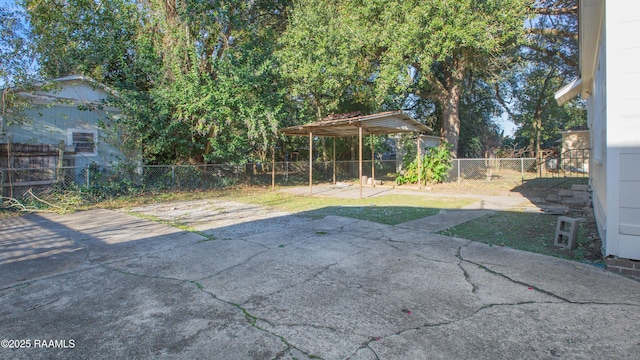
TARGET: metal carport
(356,124)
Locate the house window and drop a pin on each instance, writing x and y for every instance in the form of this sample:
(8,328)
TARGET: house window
(84,141)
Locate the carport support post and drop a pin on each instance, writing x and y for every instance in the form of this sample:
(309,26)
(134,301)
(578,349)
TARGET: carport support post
(360,158)
(373,164)
(273,167)
(334,160)
(419,164)
(310,163)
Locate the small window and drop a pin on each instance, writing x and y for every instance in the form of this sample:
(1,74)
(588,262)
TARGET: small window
(84,141)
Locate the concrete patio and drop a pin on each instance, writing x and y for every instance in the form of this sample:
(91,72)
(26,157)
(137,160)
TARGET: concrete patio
(253,284)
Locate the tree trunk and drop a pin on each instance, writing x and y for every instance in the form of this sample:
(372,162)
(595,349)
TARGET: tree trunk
(532,142)
(451,120)
(323,143)
(450,104)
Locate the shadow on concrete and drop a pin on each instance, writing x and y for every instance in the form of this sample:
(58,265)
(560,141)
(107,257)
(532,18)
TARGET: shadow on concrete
(35,245)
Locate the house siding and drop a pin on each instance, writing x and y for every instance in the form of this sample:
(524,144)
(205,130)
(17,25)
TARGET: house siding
(596,119)
(74,106)
(623,126)
(50,126)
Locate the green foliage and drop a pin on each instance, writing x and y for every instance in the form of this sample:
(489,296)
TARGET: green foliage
(480,136)
(86,37)
(17,66)
(197,81)
(546,62)
(375,53)
(323,57)
(436,164)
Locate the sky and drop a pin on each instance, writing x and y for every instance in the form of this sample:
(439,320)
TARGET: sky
(7,2)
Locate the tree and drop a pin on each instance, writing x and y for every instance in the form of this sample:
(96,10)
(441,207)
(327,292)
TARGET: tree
(480,136)
(196,80)
(93,38)
(322,57)
(216,82)
(17,65)
(546,61)
(424,48)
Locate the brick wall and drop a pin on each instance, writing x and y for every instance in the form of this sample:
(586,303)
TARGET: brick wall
(624,266)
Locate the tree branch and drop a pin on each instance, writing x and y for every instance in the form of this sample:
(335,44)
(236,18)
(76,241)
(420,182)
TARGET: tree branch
(573,10)
(553,32)
(568,60)
(504,104)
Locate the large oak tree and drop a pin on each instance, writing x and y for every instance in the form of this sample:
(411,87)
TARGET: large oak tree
(424,48)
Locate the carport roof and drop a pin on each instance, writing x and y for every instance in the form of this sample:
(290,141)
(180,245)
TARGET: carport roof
(390,122)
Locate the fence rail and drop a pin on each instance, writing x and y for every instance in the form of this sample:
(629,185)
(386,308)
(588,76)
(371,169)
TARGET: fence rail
(123,179)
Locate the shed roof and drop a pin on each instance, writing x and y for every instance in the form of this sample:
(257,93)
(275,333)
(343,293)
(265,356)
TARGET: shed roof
(390,122)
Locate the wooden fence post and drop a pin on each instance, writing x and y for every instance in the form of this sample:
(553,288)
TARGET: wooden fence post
(60,161)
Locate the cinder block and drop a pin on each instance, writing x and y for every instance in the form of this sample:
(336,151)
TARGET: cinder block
(566,232)
(582,196)
(553,198)
(565,193)
(579,187)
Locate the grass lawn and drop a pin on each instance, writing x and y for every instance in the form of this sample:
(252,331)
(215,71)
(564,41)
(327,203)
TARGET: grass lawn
(389,209)
(526,231)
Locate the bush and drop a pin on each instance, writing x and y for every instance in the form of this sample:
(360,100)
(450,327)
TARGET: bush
(436,164)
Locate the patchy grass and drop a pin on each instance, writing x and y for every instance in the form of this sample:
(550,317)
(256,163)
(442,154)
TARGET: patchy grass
(528,232)
(173,223)
(389,209)
(390,215)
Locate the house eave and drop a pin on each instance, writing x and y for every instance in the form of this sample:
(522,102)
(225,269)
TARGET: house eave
(568,91)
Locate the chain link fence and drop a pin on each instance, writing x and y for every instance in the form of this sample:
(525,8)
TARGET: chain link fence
(126,179)
(492,169)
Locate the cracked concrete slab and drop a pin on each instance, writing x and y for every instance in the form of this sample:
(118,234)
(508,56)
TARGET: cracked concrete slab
(331,288)
(114,315)
(572,281)
(520,331)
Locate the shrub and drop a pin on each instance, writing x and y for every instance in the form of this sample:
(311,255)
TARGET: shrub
(436,164)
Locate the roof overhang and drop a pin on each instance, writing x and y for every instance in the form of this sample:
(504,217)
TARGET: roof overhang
(590,23)
(568,91)
(391,122)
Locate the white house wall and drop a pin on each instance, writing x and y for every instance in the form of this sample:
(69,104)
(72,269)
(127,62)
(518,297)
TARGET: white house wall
(623,128)
(596,119)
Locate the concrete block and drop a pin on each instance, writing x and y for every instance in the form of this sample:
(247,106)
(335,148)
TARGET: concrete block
(565,193)
(371,182)
(579,187)
(552,198)
(581,196)
(566,232)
